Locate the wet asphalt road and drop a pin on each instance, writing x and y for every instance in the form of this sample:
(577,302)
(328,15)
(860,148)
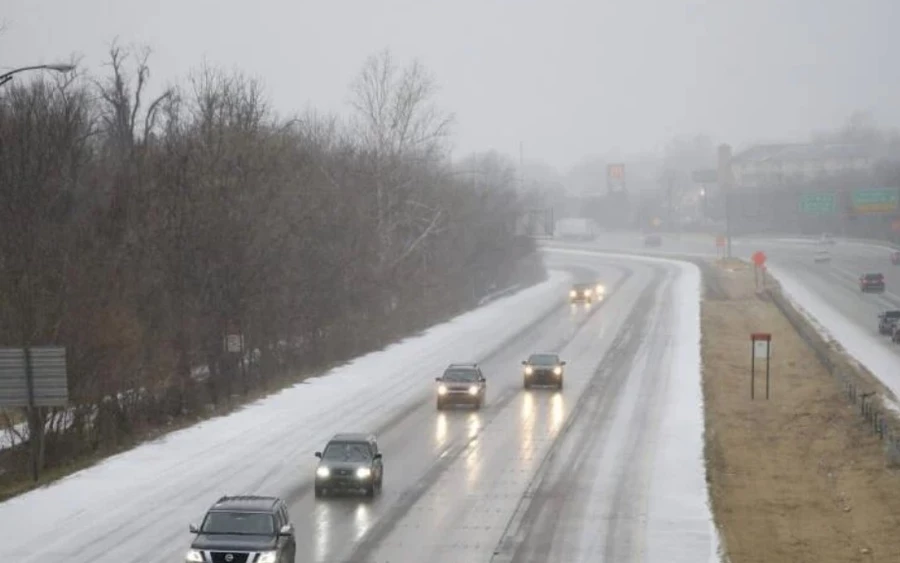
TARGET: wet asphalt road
(454,480)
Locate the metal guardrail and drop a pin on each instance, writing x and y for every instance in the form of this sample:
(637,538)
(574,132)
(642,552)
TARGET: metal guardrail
(858,392)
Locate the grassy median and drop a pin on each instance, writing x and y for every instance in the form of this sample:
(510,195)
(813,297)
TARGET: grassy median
(799,477)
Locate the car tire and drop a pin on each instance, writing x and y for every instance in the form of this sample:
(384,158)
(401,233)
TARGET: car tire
(440,405)
(527,384)
(370,490)
(319,491)
(560,384)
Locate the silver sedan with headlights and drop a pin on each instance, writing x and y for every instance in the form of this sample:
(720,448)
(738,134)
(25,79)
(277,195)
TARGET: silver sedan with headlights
(461,384)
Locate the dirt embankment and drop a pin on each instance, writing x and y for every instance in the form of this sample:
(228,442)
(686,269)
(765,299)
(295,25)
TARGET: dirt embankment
(799,477)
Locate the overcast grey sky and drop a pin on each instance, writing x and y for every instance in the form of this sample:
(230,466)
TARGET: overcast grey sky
(568,78)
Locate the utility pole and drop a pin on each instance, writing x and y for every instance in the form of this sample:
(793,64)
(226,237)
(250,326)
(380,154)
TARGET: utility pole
(726,181)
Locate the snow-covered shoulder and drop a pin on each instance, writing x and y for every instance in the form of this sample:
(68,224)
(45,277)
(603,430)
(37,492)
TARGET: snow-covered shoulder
(680,526)
(259,448)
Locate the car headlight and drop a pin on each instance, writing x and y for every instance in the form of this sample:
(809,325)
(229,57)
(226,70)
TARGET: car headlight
(323,472)
(529,370)
(473,390)
(193,556)
(363,473)
(557,370)
(600,289)
(267,557)
(442,390)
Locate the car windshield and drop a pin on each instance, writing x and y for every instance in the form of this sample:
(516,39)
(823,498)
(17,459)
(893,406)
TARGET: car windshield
(873,276)
(460,375)
(892,315)
(583,286)
(347,451)
(239,523)
(543,359)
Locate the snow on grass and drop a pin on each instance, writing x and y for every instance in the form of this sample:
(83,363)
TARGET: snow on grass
(147,494)
(874,354)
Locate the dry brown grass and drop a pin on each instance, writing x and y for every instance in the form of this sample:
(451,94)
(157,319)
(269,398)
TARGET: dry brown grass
(799,477)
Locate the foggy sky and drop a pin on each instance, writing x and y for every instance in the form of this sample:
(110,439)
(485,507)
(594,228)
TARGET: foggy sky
(568,78)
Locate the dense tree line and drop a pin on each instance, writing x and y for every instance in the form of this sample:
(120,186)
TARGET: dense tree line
(138,232)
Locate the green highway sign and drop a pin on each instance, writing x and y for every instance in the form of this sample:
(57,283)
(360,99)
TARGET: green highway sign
(818,203)
(876,200)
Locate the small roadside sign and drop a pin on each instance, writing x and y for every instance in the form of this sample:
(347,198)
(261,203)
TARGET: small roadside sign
(760,349)
(720,241)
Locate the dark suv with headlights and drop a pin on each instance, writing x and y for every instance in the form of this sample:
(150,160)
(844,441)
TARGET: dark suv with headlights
(543,369)
(350,463)
(461,384)
(244,529)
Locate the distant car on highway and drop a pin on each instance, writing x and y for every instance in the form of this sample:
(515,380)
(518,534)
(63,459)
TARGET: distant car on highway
(826,239)
(582,293)
(543,369)
(350,462)
(244,529)
(822,256)
(887,321)
(895,258)
(872,283)
(461,384)
(652,239)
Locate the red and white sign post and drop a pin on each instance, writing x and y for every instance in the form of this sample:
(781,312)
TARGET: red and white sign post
(760,349)
(759,269)
(720,246)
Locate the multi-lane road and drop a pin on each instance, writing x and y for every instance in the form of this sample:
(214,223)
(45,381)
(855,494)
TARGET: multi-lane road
(836,282)
(536,475)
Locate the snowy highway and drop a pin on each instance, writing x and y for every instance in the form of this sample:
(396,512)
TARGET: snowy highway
(608,469)
(829,292)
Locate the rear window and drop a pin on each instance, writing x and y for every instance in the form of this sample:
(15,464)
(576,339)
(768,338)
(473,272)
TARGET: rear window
(874,277)
(892,315)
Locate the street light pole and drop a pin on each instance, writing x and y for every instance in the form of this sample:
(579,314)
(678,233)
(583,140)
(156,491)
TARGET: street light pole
(7,76)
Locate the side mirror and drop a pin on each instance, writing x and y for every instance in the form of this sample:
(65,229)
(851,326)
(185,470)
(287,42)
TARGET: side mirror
(377,456)
(194,529)
(437,378)
(286,530)
(319,455)
(562,363)
(524,362)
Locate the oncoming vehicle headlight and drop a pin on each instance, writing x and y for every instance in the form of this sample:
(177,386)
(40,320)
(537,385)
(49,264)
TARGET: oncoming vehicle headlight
(557,370)
(267,557)
(442,390)
(363,473)
(573,293)
(529,370)
(473,390)
(193,556)
(601,289)
(323,472)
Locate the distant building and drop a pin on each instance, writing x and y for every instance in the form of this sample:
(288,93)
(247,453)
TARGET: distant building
(773,165)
